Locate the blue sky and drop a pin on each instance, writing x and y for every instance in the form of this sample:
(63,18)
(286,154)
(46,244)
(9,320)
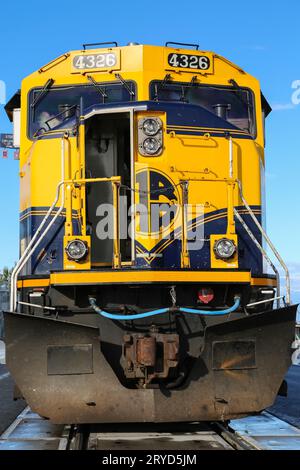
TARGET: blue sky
(262,37)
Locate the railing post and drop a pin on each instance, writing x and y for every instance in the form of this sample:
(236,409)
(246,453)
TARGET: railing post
(69,223)
(68,189)
(82,169)
(230,194)
(116,241)
(185,257)
(230,208)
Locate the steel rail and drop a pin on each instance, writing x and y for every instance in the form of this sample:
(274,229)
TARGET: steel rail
(261,432)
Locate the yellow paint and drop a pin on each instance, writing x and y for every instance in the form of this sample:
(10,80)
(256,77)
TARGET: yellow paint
(119,276)
(130,276)
(33,283)
(200,160)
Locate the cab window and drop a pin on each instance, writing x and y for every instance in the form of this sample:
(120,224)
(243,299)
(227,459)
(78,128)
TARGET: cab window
(53,107)
(234,105)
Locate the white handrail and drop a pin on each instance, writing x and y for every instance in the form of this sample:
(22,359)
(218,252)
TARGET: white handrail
(264,253)
(262,231)
(265,236)
(35,241)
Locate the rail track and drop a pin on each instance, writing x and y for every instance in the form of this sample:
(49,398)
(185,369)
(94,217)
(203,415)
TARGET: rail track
(264,431)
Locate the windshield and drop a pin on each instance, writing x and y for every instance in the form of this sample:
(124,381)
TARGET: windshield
(234,105)
(58,104)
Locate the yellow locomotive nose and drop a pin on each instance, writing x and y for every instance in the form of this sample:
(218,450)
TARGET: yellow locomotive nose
(141,285)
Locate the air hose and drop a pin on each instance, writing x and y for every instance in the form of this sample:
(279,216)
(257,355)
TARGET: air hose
(160,311)
(234,307)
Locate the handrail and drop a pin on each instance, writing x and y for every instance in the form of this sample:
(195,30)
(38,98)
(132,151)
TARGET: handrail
(265,236)
(116,244)
(264,253)
(231,227)
(34,242)
(185,257)
(230,182)
(115,181)
(38,236)
(93,180)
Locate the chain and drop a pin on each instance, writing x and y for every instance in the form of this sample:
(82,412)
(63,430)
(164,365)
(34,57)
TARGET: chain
(153,191)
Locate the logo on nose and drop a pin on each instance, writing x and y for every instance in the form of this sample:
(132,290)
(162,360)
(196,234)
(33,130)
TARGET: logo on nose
(159,197)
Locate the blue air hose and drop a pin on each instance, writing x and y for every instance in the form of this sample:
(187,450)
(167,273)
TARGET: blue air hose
(160,311)
(213,312)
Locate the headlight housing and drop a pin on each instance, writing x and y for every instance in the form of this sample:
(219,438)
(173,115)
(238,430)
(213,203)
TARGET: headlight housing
(151,126)
(150,136)
(77,250)
(151,145)
(224,248)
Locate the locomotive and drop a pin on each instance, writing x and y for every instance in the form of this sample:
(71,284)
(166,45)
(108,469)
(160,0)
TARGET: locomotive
(143,291)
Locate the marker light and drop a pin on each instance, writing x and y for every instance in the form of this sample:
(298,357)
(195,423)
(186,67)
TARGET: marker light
(76,250)
(224,248)
(151,126)
(205,295)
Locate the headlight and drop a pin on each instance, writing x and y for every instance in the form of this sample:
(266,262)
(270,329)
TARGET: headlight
(150,136)
(76,250)
(151,145)
(151,126)
(224,248)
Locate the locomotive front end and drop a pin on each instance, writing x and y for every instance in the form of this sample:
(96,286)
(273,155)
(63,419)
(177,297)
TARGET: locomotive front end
(141,293)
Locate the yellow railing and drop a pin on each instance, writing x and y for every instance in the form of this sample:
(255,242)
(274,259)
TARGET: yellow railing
(71,184)
(230,182)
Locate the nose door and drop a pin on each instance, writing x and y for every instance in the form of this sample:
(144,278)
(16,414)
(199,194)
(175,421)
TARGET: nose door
(108,154)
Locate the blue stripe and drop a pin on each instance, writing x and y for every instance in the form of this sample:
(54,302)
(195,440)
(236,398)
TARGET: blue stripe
(249,256)
(222,134)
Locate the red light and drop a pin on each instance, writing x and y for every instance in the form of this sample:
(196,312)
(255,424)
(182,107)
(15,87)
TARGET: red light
(205,295)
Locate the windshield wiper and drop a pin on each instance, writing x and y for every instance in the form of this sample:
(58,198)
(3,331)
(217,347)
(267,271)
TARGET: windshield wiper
(121,79)
(98,87)
(161,85)
(240,96)
(43,91)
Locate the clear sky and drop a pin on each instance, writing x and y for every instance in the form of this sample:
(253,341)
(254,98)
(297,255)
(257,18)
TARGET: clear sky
(262,37)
